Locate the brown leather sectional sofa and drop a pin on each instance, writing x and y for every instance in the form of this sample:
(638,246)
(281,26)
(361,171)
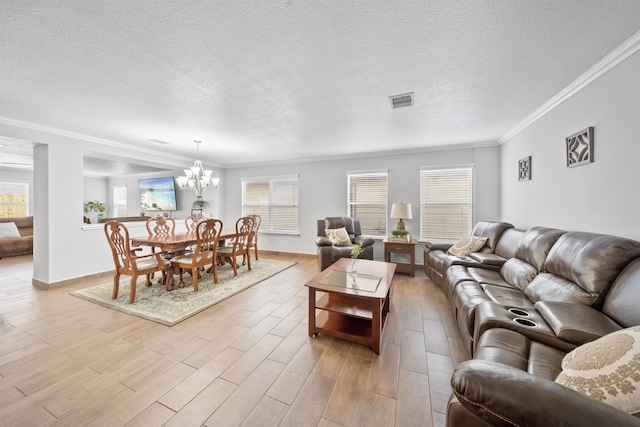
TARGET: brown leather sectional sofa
(521,304)
(22,245)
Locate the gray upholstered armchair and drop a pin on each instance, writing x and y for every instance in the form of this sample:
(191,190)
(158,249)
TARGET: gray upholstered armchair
(328,252)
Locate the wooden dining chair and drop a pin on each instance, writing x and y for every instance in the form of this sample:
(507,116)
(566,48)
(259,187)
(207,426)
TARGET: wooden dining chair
(204,253)
(161,226)
(239,246)
(191,222)
(127,262)
(253,241)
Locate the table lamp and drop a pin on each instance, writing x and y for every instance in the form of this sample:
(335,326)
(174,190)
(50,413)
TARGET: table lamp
(400,211)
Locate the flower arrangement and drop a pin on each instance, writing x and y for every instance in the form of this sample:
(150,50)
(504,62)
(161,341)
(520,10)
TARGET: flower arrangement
(400,233)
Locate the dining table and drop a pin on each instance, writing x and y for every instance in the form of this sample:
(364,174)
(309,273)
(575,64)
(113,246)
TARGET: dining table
(175,243)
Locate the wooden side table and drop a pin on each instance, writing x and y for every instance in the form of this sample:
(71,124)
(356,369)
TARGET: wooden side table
(401,246)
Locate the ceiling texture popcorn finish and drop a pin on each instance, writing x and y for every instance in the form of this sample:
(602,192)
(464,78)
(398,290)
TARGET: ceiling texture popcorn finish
(283,81)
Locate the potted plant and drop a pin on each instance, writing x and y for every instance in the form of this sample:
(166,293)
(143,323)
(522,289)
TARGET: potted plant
(94,207)
(399,233)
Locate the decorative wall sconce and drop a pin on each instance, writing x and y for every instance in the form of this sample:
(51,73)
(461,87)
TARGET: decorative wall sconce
(580,148)
(524,169)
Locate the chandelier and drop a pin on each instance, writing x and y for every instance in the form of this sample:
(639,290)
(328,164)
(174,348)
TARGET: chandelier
(196,178)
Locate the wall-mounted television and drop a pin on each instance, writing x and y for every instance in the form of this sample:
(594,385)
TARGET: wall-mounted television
(157,194)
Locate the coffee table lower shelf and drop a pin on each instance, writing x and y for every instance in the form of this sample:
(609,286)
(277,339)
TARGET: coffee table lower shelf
(348,328)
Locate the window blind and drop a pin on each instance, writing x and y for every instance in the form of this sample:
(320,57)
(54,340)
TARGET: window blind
(367,201)
(275,200)
(120,201)
(446,203)
(14,199)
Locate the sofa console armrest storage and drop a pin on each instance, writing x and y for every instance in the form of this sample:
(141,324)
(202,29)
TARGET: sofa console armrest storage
(576,323)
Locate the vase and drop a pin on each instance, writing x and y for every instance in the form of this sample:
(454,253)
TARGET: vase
(354,266)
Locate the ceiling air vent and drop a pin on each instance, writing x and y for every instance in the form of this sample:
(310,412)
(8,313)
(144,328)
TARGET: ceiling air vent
(404,100)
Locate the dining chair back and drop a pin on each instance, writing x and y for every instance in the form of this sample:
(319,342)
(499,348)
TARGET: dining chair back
(240,244)
(127,262)
(161,226)
(191,222)
(253,241)
(204,253)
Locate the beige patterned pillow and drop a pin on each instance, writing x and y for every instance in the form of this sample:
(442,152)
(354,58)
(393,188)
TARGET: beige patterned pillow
(338,236)
(467,245)
(607,369)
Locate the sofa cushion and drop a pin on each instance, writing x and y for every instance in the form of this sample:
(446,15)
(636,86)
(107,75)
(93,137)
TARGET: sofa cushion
(338,236)
(536,244)
(491,230)
(607,369)
(590,261)
(9,230)
(467,245)
(623,299)
(518,273)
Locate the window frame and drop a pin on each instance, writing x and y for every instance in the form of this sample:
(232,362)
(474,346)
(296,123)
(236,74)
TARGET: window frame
(383,204)
(27,208)
(270,217)
(116,214)
(470,168)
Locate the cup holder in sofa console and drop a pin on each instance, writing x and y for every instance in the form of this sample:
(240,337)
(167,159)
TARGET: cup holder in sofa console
(525,322)
(519,312)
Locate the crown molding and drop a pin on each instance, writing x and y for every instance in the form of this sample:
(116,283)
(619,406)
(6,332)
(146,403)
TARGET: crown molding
(465,146)
(622,52)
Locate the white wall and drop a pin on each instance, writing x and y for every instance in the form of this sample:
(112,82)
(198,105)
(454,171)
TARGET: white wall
(600,197)
(184,198)
(323,190)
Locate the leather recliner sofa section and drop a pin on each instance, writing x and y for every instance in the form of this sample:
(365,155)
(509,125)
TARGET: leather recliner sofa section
(558,290)
(491,256)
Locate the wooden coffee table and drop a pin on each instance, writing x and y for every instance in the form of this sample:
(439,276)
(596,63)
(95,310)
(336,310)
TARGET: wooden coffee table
(354,313)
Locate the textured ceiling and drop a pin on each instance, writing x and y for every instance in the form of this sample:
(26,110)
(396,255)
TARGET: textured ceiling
(268,81)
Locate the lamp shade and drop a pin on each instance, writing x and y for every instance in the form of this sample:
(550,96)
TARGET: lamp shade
(401,211)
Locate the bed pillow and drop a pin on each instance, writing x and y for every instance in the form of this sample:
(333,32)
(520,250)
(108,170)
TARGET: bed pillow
(8,230)
(607,369)
(467,245)
(338,236)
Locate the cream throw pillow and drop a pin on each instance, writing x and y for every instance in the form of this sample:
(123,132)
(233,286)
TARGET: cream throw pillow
(8,230)
(338,236)
(607,369)
(467,245)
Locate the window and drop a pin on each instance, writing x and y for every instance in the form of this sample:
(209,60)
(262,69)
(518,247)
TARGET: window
(14,199)
(275,199)
(445,203)
(120,201)
(367,201)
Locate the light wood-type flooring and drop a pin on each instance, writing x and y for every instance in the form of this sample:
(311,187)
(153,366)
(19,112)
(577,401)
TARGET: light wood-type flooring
(247,361)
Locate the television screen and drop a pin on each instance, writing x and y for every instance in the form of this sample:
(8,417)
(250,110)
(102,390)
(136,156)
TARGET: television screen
(157,194)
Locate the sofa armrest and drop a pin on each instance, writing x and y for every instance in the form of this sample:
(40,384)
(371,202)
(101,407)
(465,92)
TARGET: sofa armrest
(487,258)
(363,240)
(576,323)
(505,396)
(437,245)
(323,241)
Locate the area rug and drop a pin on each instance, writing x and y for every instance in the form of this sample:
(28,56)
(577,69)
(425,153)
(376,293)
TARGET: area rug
(170,308)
